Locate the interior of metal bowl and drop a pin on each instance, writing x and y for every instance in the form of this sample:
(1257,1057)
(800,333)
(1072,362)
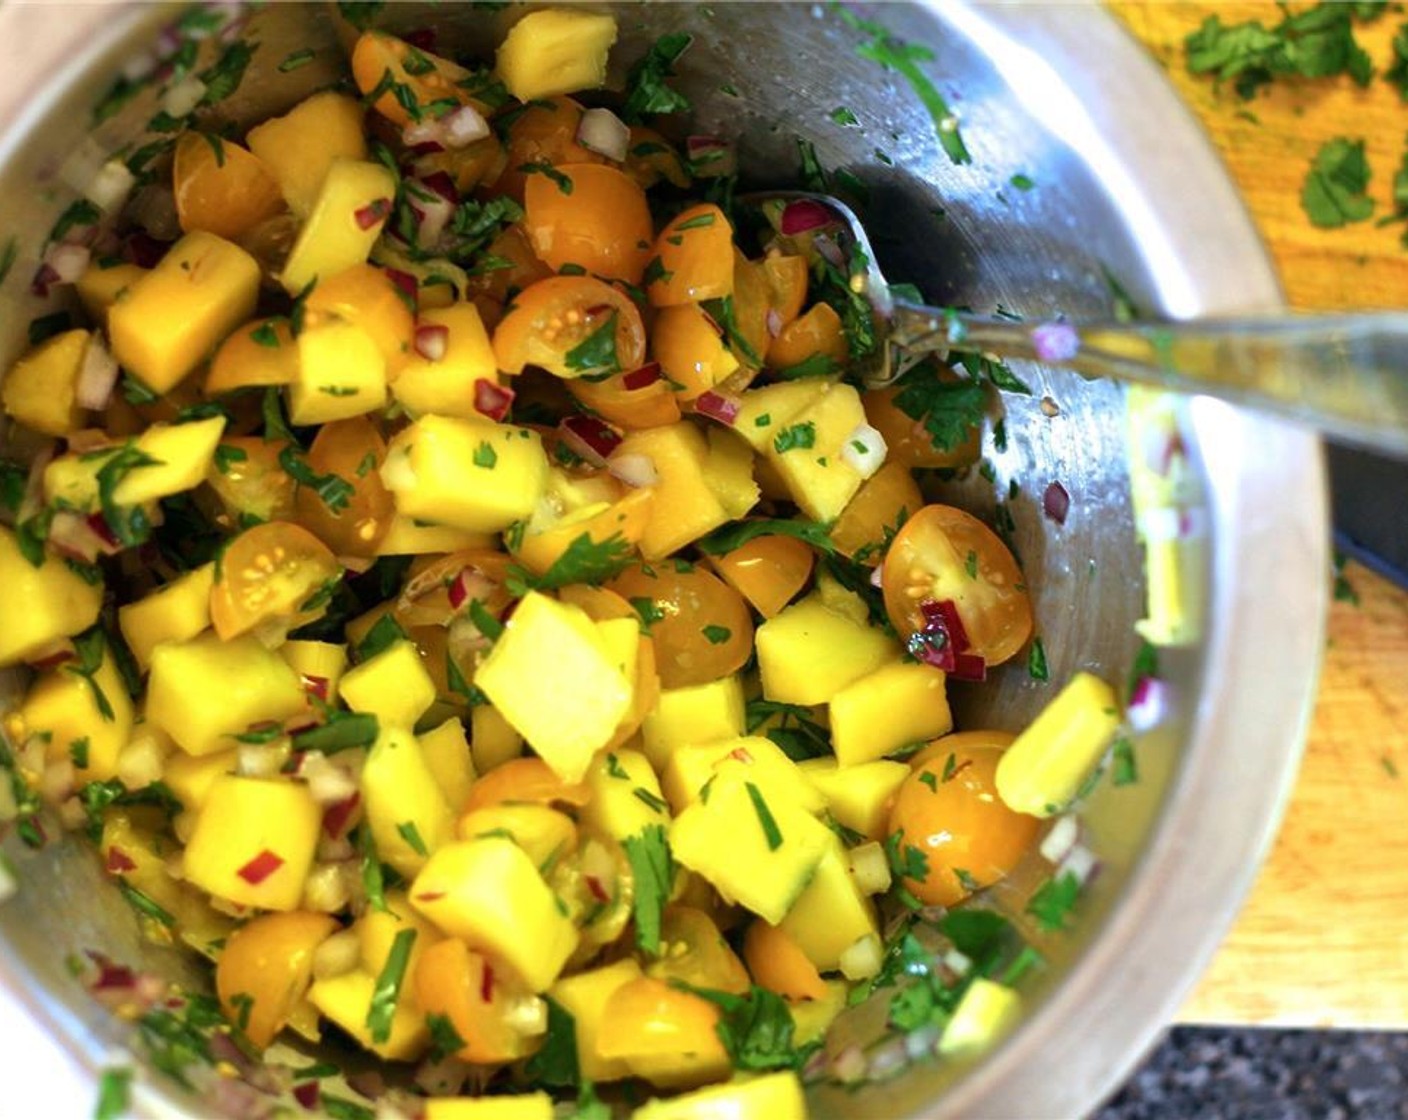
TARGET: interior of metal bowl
(1120,184)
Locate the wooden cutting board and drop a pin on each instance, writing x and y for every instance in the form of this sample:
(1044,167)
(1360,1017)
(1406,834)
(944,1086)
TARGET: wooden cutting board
(1323,939)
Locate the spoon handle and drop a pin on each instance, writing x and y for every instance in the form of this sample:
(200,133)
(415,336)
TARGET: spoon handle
(1346,375)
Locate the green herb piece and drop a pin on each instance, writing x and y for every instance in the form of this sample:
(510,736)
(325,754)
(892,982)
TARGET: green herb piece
(296,60)
(649,799)
(145,905)
(485,622)
(740,533)
(344,731)
(818,365)
(907,862)
(795,436)
(794,731)
(562,182)
(1125,770)
(1036,661)
(646,91)
(336,492)
(1344,590)
(1390,767)
(614,769)
(224,77)
(757,1029)
(340,1108)
(647,611)
(722,312)
(583,561)
(1022,182)
(1054,900)
(445,1041)
(766,821)
(90,647)
(595,356)
(949,410)
(361,14)
(556,1063)
(411,835)
(373,876)
(1314,43)
(114,1094)
(843,116)
(485,456)
(1334,190)
(78,752)
(8,255)
(45,327)
(385,632)
(699,221)
(850,302)
(1146,664)
(227,456)
(717,635)
(653,869)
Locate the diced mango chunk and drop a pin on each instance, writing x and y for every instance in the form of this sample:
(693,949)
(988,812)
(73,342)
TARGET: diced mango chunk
(492,739)
(176,612)
(408,537)
(809,452)
(320,665)
(251,683)
(987,1011)
(553,650)
(771,1096)
(254,841)
(102,286)
(347,999)
(626,795)
(832,913)
(39,390)
(299,147)
(341,373)
(57,601)
(894,706)
(446,751)
(183,454)
(173,317)
(701,713)
(760,760)
(474,475)
(1049,762)
(394,685)
(728,472)
(809,652)
(517,1106)
(408,814)
(685,507)
(489,893)
(858,796)
(556,50)
(353,204)
(585,996)
(87,721)
(446,386)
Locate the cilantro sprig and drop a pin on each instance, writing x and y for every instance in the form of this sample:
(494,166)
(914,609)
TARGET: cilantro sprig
(653,869)
(583,561)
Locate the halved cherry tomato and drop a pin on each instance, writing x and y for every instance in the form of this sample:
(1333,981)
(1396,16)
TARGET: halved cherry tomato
(650,158)
(257,354)
(591,216)
(752,300)
(778,963)
(250,481)
(221,187)
(786,278)
(266,576)
(768,571)
(379,60)
(599,603)
(353,450)
(439,588)
(942,747)
(524,267)
(944,553)
(691,353)
(478,997)
(883,502)
(701,626)
(651,406)
(266,968)
(906,438)
(551,323)
(469,167)
(627,518)
(542,132)
(817,338)
(544,833)
(366,296)
(666,1035)
(949,811)
(524,780)
(695,255)
(694,952)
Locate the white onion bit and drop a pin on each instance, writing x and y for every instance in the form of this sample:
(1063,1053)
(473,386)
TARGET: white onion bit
(1080,862)
(1062,837)
(603,132)
(956,962)
(464,126)
(1148,705)
(67,261)
(864,450)
(432,341)
(633,470)
(338,955)
(111,186)
(182,98)
(97,376)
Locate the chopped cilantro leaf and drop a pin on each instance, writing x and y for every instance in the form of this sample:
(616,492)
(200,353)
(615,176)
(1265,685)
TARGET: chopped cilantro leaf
(1036,661)
(411,835)
(583,561)
(1051,905)
(563,182)
(771,833)
(717,635)
(646,91)
(114,1093)
(384,632)
(556,1063)
(843,116)
(595,356)
(653,869)
(485,456)
(1334,190)
(387,992)
(795,436)
(757,1029)
(343,731)
(1313,43)
(1125,770)
(949,410)
(740,533)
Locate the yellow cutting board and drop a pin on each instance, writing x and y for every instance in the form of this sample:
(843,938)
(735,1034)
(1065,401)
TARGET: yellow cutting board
(1323,940)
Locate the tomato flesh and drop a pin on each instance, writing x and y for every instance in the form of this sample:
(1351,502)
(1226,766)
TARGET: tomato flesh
(267,576)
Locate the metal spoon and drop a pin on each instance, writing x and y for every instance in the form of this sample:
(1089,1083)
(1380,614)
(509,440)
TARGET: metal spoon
(1344,374)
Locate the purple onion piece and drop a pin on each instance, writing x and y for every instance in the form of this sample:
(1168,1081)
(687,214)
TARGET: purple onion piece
(1055,342)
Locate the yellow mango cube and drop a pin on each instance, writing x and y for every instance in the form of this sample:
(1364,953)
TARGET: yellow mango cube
(183,454)
(299,147)
(254,841)
(701,713)
(408,537)
(832,913)
(556,50)
(353,203)
(377,930)
(65,705)
(393,685)
(1049,762)
(446,386)
(685,507)
(101,286)
(616,807)
(347,999)
(584,997)
(812,1018)
(764,412)
(469,474)
(319,665)
(58,603)
(446,751)
(553,678)
(519,1106)
(341,373)
(898,704)
(492,739)
(173,317)
(542,832)
(757,850)
(39,390)
(987,1011)
(191,776)
(857,796)
(808,652)
(252,684)
(489,893)
(728,472)
(808,452)
(176,612)
(763,762)
(408,815)
(770,1096)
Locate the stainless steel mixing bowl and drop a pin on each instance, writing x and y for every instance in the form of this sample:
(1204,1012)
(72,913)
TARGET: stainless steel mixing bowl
(1124,181)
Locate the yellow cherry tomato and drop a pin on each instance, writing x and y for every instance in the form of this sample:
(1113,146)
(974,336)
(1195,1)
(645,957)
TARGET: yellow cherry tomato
(250,481)
(367,297)
(258,354)
(694,952)
(543,132)
(906,438)
(626,518)
(690,350)
(479,999)
(883,502)
(695,258)
(266,968)
(588,216)
(768,571)
(572,326)
(221,187)
(650,158)
(528,780)
(816,339)
(778,963)
(265,577)
(382,61)
(352,450)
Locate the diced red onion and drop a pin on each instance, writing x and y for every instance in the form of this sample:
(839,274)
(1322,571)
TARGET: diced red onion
(433,214)
(408,284)
(314,685)
(589,438)
(1148,704)
(1055,342)
(486,983)
(97,376)
(598,891)
(424,133)
(260,867)
(718,406)
(143,249)
(492,400)
(181,99)
(710,157)
(633,470)
(464,126)
(603,132)
(1056,503)
(64,262)
(969,667)
(849,1066)
(372,213)
(802,215)
(111,976)
(641,378)
(864,450)
(308,1095)
(51,656)
(109,188)
(430,896)
(441,183)
(943,615)
(44,278)
(73,535)
(827,248)
(337,817)
(877,577)
(1060,838)
(1161,447)
(432,340)
(774,322)
(118,861)
(1192,522)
